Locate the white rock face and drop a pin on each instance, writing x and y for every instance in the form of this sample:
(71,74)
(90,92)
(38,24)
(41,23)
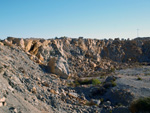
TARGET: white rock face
(59,66)
(62,68)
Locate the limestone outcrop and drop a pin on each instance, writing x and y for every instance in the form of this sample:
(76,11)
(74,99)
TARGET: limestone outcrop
(83,56)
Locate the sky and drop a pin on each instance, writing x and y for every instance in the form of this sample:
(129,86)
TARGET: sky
(74,18)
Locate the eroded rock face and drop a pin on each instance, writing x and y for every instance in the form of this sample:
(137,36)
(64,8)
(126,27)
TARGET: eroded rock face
(83,55)
(116,50)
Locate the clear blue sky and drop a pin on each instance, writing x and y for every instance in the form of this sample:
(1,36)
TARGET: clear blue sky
(74,18)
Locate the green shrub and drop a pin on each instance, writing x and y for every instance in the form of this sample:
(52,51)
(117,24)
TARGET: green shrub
(113,83)
(110,111)
(90,103)
(84,82)
(76,83)
(95,82)
(147,74)
(112,69)
(139,78)
(102,100)
(140,105)
(101,77)
(71,84)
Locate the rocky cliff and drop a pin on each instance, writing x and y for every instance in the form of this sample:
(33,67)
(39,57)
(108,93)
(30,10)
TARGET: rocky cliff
(80,57)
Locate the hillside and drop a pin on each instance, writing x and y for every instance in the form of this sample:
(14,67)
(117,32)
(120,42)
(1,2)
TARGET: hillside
(73,75)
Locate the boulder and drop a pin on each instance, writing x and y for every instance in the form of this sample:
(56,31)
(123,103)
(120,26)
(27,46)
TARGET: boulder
(28,44)
(2,101)
(34,90)
(53,91)
(73,95)
(82,45)
(97,57)
(35,47)
(97,102)
(40,57)
(18,42)
(21,43)
(59,66)
(1,44)
(51,65)
(7,43)
(13,110)
(63,92)
(107,103)
(122,96)
(92,64)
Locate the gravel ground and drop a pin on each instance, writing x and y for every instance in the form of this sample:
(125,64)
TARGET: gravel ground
(128,79)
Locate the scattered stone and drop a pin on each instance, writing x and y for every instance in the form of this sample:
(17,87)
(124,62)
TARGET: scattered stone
(2,99)
(107,103)
(63,92)
(92,64)
(1,104)
(53,91)
(97,102)
(10,88)
(13,110)
(33,90)
(40,57)
(73,95)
